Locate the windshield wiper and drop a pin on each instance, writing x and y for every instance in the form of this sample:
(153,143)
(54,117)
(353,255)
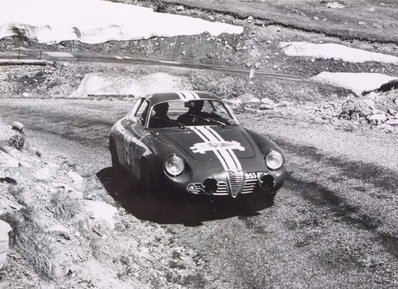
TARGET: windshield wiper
(210,120)
(179,124)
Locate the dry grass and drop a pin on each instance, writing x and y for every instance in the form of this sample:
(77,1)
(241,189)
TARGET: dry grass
(17,192)
(33,243)
(65,207)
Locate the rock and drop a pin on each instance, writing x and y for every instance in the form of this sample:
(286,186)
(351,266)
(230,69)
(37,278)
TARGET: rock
(44,174)
(180,8)
(334,5)
(266,107)
(386,127)
(25,94)
(355,108)
(391,111)
(373,96)
(211,18)
(377,118)
(77,180)
(284,103)
(393,122)
(5,228)
(8,161)
(101,211)
(250,19)
(59,230)
(234,103)
(17,141)
(16,125)
(249,98)
(370,103)
(267,101)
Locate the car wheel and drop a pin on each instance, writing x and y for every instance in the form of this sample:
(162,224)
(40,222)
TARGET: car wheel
(148,183)
(115,161)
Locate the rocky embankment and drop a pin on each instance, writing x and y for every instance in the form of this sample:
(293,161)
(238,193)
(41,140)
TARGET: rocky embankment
(59,227)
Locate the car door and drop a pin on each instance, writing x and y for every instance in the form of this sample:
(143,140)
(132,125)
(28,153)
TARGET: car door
(134,145)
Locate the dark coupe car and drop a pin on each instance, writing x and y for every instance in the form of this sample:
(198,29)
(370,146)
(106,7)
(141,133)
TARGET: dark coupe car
(189,143)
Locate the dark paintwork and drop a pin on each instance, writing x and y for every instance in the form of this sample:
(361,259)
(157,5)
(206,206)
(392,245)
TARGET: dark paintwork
(143,152)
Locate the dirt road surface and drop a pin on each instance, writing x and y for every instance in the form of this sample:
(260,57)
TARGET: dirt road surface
(332,225)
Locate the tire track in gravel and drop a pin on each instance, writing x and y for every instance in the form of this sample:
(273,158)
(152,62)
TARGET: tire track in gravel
(384,178)
(322,196)
(86,129)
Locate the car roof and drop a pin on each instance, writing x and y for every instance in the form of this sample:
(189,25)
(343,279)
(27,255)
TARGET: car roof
(181,95)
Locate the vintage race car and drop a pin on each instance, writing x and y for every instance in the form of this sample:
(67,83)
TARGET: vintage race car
(189,143)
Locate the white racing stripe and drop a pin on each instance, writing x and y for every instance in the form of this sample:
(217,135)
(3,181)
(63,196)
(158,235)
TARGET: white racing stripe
(181,96)
(230,151)
(216,152)
(187,95)
(227,157)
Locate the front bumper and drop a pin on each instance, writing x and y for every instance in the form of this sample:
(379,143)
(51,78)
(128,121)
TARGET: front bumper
(230,183)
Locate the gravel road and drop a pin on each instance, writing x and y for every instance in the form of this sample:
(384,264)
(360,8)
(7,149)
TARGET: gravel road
(332,225)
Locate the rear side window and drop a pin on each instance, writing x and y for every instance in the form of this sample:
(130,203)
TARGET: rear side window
(142,111)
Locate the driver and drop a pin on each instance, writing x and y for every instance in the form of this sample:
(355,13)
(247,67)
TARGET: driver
(194,115)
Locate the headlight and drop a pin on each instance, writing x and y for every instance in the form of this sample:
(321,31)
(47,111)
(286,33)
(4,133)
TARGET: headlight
(274,160)
(174,165)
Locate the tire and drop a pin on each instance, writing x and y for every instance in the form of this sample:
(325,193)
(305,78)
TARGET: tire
(115,161)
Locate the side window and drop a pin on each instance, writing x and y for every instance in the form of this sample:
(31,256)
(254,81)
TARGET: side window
(208,107)
(219,110)
(142,111)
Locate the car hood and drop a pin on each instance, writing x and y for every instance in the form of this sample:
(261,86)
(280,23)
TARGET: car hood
(201,142)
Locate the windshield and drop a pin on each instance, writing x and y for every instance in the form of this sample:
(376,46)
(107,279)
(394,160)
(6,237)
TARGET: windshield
(178,113)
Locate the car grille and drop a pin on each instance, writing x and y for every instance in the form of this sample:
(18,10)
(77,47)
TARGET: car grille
(223,188)
(236,181)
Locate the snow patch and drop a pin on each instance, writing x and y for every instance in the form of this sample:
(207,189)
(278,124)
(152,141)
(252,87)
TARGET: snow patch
(101,84)
(357,82)
(95,21)
(335,51)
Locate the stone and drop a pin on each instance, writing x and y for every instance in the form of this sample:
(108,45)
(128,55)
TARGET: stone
(43,174)
(180,8)
(267,101)
(59,230)
(249,19)
(5,228)
(234,103)
(25,94)
(18,126)
(77,179)
(101,211)
(377,119)
(391,111)
(8,161)
(355,108)
(334,5)
(266,107)
(249,98)
(284,103)
(370,103)
(393,122)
